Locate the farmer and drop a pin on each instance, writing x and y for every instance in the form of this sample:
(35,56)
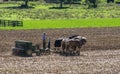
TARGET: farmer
(44,40)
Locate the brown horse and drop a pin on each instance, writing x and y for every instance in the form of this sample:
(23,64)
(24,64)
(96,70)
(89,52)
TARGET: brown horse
(70,45)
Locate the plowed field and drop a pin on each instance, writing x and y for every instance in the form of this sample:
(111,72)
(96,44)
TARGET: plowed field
(100,55)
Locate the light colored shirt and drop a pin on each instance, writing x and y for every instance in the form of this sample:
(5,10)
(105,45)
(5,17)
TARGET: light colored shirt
(44,36)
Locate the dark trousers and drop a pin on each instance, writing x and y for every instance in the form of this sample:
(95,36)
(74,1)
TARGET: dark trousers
(44,44)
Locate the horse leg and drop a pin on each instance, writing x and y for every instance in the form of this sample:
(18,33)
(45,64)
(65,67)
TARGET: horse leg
(63,50)
(78,51)
(67,50)
(70,51)
(74,51)
(56,48)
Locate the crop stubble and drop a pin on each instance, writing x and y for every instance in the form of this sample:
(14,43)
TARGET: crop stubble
(99,55)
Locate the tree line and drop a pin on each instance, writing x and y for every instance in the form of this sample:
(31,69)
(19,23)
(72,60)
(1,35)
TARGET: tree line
(90,3)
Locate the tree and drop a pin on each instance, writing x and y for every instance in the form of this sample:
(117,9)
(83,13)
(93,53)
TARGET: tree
(56,1)
(92,3)
(108,1)
(61,2)
(25,5)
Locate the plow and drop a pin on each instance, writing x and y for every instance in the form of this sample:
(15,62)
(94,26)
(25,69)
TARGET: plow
(26,48)
(69,45)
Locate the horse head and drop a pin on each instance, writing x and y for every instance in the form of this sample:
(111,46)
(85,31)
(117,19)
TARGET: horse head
(83,40)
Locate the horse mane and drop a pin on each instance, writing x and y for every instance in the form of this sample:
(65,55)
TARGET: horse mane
(73,36)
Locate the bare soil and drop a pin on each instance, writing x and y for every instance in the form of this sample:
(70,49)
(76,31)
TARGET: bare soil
(100,55)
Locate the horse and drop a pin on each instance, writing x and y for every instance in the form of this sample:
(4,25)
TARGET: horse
(70,45)
(57,43)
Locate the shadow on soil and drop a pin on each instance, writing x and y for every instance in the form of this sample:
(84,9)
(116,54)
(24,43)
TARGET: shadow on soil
(66,54)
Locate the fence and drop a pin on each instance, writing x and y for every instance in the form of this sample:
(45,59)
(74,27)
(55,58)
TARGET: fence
(12,23)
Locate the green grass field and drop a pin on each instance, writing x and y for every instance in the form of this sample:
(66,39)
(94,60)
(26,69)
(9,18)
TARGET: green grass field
(81,23)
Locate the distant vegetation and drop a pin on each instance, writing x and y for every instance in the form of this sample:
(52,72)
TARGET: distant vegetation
(42,10)
(41,14)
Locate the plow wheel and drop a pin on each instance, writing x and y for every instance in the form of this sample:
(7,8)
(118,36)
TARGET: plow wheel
(29,53)
(48,51)
(37,53)
(78,53)
(15,52)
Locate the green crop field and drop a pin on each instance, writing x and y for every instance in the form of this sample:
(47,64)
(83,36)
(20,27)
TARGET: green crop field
(81,23)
